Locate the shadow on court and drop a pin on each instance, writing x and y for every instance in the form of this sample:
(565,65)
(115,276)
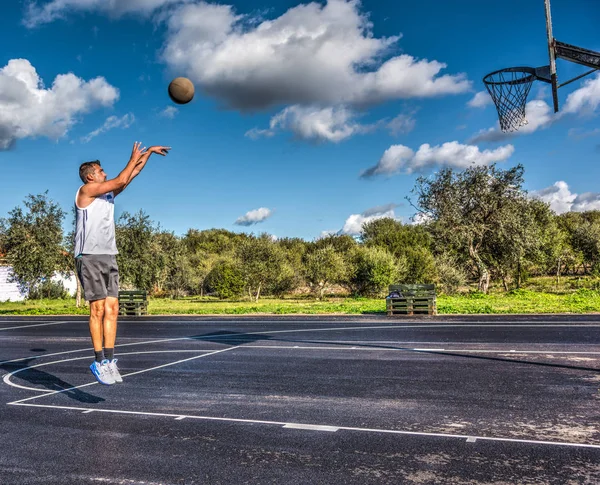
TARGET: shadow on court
(233,338)
(41,379)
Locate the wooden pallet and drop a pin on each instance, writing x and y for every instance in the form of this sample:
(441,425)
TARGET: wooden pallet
(415,300)
(133,302)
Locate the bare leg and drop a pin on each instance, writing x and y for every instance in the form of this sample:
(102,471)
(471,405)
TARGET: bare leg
(111,312)
(96,323)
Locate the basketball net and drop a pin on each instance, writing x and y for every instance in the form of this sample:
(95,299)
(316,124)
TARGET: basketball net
(509,89)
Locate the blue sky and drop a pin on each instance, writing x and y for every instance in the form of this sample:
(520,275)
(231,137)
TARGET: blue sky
(308,117)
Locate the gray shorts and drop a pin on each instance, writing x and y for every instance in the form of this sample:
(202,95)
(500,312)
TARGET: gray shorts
(99,275)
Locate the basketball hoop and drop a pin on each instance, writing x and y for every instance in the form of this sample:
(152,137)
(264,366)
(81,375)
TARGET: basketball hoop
(509,89)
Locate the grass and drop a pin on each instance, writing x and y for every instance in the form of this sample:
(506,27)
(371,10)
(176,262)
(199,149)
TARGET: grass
(540,295)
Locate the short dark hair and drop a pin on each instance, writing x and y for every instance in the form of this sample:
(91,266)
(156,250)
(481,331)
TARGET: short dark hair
(86,168)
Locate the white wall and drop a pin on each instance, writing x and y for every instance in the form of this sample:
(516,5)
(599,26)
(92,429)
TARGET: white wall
(8,291)
(11,292)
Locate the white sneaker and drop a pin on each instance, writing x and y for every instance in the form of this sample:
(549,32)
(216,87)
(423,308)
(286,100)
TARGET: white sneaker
(114,370)
(102,372)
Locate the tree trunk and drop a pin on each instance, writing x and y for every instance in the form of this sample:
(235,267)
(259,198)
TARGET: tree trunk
(558,272)
(504,282)
(258,292)
(484,275)
(78,294)
(484,281)
(519,274)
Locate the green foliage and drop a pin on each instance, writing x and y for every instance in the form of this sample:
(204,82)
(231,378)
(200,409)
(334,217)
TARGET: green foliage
(49,289)
(213,241)
(226,279)
(410,244)
(139,266)
(32,241)
(371,270)
(341,243)
(449,274)
(263,263)
(394,236)
(477,212)
(322,267)
(175,272)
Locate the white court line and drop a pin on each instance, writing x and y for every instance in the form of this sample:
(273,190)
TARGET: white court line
(470,438)
(34,325)
(8,381)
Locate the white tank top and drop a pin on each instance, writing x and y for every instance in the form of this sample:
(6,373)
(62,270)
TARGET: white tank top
(95,226)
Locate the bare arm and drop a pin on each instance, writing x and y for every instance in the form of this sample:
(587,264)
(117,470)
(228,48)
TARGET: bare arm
(161,150)
(94,189)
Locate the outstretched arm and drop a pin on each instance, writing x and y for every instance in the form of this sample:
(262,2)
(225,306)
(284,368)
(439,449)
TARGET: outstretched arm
(91,190)
(141,163)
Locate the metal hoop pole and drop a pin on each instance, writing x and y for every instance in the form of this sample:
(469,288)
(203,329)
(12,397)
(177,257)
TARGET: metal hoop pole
(552,56)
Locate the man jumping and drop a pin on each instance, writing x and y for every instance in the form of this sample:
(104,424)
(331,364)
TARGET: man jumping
(96,250)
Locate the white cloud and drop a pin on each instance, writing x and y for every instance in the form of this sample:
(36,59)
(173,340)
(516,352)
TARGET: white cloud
(558,196)
(562,200)
(480,100)
(39,13)
(111,122)
(579,134)
(29,109)
(169,112)
(332,124)
(584,100)
(354,223)
(421,218)
(254,217)
(588,201)
(403,123)
(538,113)
(313,54)
(400,158)
(256,133)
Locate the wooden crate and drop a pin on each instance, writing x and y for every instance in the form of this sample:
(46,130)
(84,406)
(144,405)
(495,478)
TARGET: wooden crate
(133,302)
(416,300)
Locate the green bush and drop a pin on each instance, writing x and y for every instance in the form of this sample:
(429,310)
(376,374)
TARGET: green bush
(49,289)
(226,279)
(450,276)
(371,270)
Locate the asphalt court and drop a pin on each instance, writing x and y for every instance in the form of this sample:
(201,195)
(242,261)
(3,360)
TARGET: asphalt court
(518,394)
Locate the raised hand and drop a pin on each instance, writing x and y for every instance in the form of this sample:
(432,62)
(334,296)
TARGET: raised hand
(160,150)
(136,152)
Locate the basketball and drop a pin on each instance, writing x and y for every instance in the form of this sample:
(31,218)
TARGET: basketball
(181,90)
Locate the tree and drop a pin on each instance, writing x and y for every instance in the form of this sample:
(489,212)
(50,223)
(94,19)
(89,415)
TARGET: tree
(323,267)
(33,241)
(372,269)
(175,272)
(213,241)
(342,243)
(410,244)
(467,208)
(226,278)
(294,250)
(201,264)
(583,233)
(262,262)
(138,263)
(516,248)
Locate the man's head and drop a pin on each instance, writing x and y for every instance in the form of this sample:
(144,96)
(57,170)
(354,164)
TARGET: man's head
(92,172)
